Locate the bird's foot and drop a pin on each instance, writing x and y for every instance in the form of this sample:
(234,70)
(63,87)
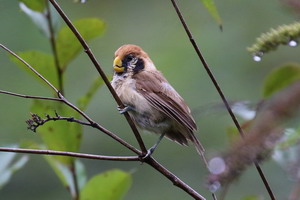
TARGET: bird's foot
(148,154)
(125,109)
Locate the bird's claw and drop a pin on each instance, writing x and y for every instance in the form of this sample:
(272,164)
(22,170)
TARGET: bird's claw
(124,110)
(148,154)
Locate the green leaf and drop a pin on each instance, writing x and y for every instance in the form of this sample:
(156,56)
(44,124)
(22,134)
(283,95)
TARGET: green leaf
(38,18)
(291,137)
(67,44)
(252,197)
(64,172)
(232,134)
(212,9)
(36,5)
(110,185)
(8,168)
(83,101)
(280,78)
(58,135)
(41,62)
(286,152)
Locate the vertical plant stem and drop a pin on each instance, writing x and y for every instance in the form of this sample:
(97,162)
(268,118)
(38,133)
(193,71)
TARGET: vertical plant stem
(219,90)
(59,70)
(75,181)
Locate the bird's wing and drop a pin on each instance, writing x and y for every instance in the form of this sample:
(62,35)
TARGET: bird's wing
(162,96)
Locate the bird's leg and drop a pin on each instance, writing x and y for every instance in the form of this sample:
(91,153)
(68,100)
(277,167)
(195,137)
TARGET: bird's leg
(151,150)
(125,109)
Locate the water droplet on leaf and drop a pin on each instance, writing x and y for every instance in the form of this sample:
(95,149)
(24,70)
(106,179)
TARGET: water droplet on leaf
(293,43)
(257,56)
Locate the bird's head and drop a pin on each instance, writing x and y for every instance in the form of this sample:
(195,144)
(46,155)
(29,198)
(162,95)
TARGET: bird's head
(131,58)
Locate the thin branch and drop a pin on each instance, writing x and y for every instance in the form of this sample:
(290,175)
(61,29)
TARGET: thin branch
(71,154)
(31,68)
(29,96)
(59,71)
(98,126)
(219,90)
(64,100)
(37,121)
(173,178)
(101,72)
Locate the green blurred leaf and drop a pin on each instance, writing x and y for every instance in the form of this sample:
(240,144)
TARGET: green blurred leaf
(41,62)
(110,185)
(64,172)
(67,44)
(232,134)
(36,5)
(280,78)
(58,135)
(252,197)
(83,101)
(212,9)
(37,17)
(291,137)
(8,168)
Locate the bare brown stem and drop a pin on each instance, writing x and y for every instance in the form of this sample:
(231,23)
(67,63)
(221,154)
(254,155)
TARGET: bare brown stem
(71,154)
(220,92)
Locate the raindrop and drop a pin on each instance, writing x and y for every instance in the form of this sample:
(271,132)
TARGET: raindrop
(83,1)
(293,43)
(214,187)
(217,165)
(257,56)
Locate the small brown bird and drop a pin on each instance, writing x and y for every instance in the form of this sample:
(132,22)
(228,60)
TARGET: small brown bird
(151,101)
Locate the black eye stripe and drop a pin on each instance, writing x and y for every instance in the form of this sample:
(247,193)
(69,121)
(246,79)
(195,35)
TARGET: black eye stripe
(139,65)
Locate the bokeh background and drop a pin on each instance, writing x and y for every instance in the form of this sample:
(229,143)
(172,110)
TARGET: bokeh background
(155,27)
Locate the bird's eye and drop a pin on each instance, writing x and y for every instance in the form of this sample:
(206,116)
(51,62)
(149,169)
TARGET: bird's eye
(129,57)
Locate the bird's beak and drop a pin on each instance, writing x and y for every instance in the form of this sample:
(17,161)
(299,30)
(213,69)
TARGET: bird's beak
(118,65)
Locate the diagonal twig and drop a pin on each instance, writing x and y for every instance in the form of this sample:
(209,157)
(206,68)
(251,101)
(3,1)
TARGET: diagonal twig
(219,90)
(101,72)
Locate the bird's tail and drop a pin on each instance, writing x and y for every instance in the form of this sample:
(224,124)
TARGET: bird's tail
(200,149)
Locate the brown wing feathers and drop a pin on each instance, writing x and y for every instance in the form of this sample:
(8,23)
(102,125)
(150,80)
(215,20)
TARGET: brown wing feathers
(151,89)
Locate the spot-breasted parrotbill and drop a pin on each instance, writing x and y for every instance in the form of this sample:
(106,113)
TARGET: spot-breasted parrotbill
(151,101)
